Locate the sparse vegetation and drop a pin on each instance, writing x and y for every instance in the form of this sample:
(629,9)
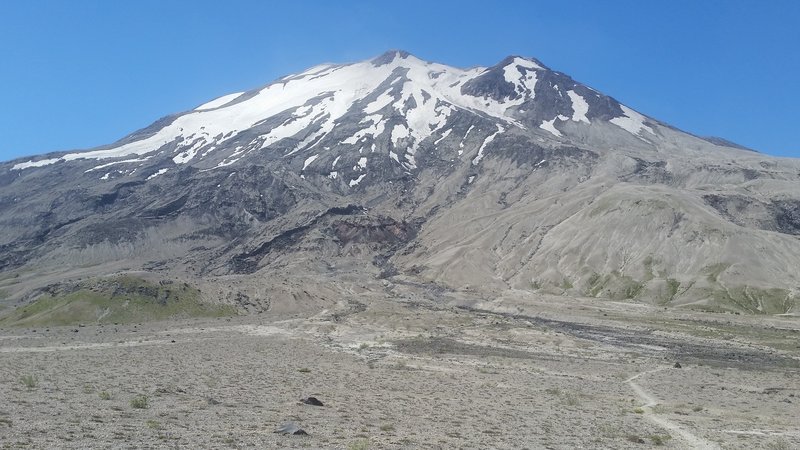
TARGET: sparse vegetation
(361,444)
(304,370)
(613,285)
(104,395)
(755,300)
(153,424)
(779,444)
(30,381)
(672,288)
(140,402)
(713,271)
(660,439)
(401,365)
(387,427)
(487,370)
(631,288)
(568,398)
(121,299)
(594,278)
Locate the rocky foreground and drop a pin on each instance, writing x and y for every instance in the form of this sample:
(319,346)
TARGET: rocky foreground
(411,368)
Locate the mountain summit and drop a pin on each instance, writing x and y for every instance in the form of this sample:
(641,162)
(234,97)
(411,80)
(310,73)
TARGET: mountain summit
(513,176)
(395,94)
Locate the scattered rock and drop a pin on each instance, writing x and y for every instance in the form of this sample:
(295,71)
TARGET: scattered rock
(291,429)
(677,365)
(212,401)
(313,401)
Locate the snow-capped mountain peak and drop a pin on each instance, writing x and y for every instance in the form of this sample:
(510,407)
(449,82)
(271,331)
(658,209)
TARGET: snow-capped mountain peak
(393,102)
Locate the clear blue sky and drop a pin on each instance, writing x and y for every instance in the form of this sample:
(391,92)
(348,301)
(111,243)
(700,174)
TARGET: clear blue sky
(80,73)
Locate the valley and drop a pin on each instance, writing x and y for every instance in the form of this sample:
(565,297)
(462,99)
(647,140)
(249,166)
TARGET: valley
(410,367)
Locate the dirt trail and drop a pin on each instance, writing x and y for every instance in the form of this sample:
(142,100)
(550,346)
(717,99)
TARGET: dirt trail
(137,341)
(689,438)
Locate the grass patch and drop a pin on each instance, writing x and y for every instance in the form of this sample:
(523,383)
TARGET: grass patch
(595,284)
(140,402)
(567,397)
(613,285)
(659,439)
(361,444)
(672,288)
(755,300)
(121,299)
(29,381)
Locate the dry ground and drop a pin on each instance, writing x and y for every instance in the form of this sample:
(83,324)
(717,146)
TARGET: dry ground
(400,370)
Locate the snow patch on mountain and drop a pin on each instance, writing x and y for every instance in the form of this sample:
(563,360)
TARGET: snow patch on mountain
(632,122)
(221,101)
(103,166)
(189,151)
(357,180)
(443,136)
(399,132)
(549,125)
(524,83)
(376,128)
(486,142)
(579,107)
(309,160)
(159,172)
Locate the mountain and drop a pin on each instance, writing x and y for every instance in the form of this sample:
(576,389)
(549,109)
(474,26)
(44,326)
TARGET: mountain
(511,177)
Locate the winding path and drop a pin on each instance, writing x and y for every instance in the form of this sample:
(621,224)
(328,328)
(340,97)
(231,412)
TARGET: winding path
(690,439)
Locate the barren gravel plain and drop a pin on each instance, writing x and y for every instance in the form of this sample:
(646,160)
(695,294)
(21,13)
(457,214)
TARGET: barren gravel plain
(406,366)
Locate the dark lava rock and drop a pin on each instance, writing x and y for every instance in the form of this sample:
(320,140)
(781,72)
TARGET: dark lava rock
(677,365)
(313,401)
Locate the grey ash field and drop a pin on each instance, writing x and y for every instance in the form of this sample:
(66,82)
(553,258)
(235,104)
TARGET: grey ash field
(495,257)
(401,366)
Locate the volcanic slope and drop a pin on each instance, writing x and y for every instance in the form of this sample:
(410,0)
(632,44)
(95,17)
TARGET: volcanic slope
(490,179)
